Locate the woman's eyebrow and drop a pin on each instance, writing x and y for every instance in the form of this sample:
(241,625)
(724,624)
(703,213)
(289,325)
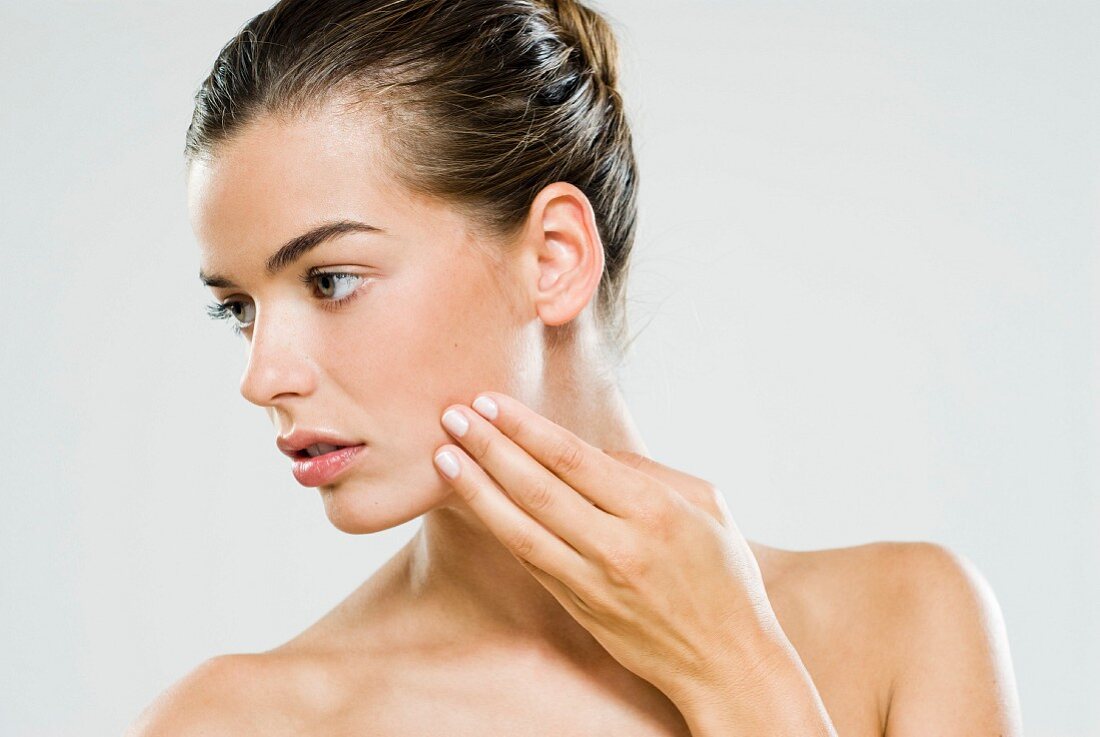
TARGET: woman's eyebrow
(296,247)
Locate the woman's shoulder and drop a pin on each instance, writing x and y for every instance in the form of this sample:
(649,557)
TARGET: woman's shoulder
(209,699)
(875,589)
(916,622)
(898,582)
(234,694)
(886,563)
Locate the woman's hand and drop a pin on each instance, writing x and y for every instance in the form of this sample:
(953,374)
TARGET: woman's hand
(646,558)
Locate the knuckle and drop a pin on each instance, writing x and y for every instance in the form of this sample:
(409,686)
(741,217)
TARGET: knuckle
(716,503)
(596,604)
(539,495)
(516,427)
(713,495)
(623,566)
(705,497)
(567,456)
(522,543)
(479,447)
(655,515)
(626,457)
(472,492)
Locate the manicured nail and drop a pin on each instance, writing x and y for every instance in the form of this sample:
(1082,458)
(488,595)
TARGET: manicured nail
(455,422)
(486,406)
(447,463)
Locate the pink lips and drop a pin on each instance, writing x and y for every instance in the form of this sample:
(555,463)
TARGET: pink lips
(325,468)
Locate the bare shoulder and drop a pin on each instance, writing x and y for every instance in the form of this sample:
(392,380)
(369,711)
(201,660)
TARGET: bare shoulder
(228,694)
(917,621)
(954,674)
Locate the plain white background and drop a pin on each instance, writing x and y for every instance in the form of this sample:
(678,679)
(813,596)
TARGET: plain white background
(867,261)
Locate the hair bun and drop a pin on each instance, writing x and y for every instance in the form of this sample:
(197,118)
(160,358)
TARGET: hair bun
(593,34)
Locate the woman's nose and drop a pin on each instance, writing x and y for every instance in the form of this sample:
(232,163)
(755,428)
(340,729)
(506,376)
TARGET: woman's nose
(279,363)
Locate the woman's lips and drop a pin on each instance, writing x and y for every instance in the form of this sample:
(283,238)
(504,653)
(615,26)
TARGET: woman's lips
(325,468)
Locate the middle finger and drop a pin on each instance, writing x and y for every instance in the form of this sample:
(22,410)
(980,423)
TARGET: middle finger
(558,506)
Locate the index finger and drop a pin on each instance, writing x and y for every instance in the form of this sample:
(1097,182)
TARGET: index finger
(612,486)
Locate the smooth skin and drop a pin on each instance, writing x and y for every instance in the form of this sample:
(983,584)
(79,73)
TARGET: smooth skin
(647,558)
(455,635)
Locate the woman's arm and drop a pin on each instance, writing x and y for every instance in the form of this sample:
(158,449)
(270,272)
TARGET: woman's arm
(954,674)
(777,698)
(950,675)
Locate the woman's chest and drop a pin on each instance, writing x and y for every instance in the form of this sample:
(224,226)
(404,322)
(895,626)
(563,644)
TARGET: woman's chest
(548,702)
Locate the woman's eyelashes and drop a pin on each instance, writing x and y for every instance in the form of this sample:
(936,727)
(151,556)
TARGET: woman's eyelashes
(329,284)
(227,311)
(334,289)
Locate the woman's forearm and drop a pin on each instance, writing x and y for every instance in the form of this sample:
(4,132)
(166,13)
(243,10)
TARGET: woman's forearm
(776,697)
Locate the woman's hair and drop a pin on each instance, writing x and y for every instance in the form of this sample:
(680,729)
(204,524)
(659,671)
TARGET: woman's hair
(482,103)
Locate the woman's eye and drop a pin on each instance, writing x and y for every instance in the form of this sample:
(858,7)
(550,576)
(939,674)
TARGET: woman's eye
(243,312)
(240,313)
(336,287)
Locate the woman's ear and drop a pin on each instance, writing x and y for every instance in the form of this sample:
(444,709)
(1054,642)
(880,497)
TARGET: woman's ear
(570,257)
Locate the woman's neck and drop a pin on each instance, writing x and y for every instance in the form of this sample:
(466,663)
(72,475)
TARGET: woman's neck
(464,575)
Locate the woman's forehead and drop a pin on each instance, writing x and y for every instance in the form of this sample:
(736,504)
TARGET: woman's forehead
(277,178)
(273,172)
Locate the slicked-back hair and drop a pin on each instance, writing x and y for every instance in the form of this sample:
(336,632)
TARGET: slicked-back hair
(481,103)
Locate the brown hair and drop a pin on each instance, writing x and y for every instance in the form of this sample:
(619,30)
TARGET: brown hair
(485,103)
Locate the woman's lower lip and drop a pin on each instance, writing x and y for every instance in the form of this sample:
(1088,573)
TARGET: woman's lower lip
(324,469)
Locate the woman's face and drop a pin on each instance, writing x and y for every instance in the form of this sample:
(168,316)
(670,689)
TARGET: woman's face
(418,319)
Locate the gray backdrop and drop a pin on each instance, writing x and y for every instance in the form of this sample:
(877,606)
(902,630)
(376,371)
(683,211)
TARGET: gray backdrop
(867,260)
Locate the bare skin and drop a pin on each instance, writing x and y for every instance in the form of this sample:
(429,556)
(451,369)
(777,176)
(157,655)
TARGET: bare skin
(452,635)
(860,618)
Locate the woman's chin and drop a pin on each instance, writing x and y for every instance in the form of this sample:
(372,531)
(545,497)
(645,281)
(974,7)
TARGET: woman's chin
(360,508)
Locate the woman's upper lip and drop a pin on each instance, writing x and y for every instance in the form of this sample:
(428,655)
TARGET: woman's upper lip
(294,442)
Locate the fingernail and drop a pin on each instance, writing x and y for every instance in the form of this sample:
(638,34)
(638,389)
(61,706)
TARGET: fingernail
(447,463)
(486,406)
(455,422)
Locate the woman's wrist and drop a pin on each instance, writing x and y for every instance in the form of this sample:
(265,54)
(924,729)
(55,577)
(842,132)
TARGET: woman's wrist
(764,691)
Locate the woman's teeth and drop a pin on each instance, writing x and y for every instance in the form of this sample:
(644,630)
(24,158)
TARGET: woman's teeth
(320,448)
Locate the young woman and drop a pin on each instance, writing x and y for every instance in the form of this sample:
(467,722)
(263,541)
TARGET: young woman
(419,215)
